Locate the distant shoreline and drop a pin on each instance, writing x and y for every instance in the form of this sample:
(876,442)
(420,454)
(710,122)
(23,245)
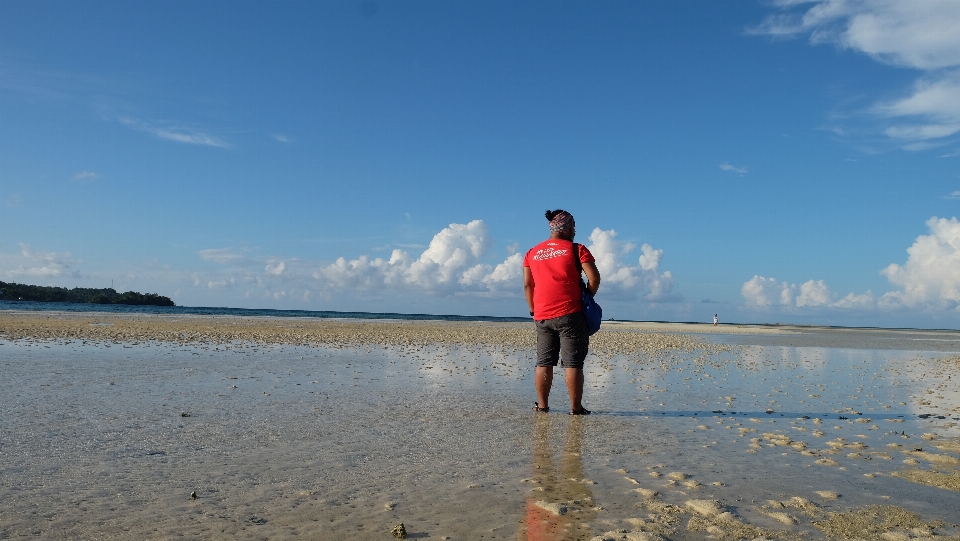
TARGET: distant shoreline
(653,326)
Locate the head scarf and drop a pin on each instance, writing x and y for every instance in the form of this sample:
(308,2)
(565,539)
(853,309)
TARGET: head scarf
(561,221)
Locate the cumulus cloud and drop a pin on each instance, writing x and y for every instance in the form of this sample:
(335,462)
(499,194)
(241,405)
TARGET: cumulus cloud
(931,275)
(451,263)
(922,35)
(763,292)
(734,169)
(928,280)
(37,264)
(456,262)
(622,280)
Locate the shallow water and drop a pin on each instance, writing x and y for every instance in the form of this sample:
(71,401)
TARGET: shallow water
(109,440)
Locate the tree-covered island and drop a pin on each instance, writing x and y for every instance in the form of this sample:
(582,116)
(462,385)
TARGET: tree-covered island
(24,292)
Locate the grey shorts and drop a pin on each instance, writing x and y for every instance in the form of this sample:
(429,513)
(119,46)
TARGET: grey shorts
(565,337)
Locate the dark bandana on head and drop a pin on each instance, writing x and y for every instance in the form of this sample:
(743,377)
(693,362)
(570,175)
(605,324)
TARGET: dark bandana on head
(561,221)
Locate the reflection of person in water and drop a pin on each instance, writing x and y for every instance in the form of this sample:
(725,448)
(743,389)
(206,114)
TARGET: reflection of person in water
(561,506)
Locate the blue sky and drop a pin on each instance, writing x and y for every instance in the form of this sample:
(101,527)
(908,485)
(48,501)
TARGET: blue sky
(767,161)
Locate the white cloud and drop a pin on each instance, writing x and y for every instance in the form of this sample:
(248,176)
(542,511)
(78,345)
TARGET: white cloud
(931,275)
(450,263)
(952,195)
(814,293)
(760,291)
(280,138)
(916,34)
(734,169)
(922,34)
(35,264)
(929,280)
(179,134)
(455,264)
(853,301)
(86,175)
(621,280)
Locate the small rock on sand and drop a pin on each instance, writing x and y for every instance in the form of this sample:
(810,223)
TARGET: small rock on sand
(553,507)
(706,508)
(828,495)
(648,493)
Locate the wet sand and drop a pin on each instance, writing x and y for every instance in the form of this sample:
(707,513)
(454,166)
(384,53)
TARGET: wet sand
(291,429)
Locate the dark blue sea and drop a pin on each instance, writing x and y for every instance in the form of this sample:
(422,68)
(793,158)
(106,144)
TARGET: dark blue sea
(221,311)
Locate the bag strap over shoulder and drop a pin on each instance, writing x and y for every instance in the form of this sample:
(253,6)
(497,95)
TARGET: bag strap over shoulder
(576,256)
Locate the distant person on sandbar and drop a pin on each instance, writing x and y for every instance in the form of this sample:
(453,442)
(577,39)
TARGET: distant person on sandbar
(715,320)
(551,283)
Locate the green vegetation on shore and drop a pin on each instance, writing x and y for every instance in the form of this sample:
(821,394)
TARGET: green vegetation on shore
(24,292)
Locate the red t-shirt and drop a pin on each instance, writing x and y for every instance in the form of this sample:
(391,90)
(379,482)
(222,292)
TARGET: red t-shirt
(556,281)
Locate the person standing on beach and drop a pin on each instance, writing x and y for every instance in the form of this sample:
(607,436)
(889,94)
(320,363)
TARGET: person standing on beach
(715,320)
(551,284)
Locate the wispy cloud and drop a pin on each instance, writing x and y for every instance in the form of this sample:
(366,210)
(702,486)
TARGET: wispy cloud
(36,264)
(734,169)
(952,195)
(221,255)
(86,175)
(175,133)
(279,137)
(904,33)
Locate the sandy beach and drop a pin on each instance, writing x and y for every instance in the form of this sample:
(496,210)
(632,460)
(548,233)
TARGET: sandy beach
(155,427)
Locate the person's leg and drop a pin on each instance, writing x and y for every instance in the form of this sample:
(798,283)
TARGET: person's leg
(548,353)
(544,376)
(574,343)
(574,378)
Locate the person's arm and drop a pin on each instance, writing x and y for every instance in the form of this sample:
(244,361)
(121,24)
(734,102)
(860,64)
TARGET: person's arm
(593,277)
(528,287)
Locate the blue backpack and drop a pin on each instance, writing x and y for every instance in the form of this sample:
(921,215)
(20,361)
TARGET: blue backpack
(591,309)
